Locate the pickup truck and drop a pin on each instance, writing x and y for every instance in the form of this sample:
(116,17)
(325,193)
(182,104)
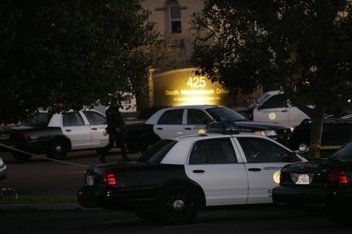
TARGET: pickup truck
(274,107)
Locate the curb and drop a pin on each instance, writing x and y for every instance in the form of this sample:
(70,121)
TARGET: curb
(40,207)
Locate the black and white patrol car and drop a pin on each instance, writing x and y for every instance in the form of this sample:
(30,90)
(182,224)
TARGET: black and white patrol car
(55,134)
(175,178)
(184,120)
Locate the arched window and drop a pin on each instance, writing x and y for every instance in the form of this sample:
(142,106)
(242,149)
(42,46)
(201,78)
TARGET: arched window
(174,10)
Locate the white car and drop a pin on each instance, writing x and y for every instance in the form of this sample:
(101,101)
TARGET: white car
(56,134)
(184,120)
(176,177)
(274,107)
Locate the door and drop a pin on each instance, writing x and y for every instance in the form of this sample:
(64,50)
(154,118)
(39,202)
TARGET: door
(170,124)
(97,124)
(195,120)
(264,159)
(274,110)
(74,127)
(214,166)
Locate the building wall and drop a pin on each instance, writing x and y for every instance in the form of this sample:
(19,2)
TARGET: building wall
(178,46)
(168,81)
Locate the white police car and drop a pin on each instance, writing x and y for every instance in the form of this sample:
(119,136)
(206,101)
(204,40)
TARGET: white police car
(176,177)
(56,134)
(184,120)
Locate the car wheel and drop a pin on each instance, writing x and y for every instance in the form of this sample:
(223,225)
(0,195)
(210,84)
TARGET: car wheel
(58,149)
(21,156)
(178,205)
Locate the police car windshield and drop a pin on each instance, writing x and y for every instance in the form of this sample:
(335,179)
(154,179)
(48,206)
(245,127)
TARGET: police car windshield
(157,152)
(224,114)
(344,153)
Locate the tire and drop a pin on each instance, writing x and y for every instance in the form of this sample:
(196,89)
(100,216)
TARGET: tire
(58,149)
(20,156)
(178,205)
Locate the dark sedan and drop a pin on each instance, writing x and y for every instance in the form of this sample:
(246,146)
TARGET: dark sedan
(325,183)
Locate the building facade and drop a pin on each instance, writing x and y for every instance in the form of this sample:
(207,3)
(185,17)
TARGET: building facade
(173,82)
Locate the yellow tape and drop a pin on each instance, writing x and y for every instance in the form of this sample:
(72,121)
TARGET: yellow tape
(41,157)
(324,147)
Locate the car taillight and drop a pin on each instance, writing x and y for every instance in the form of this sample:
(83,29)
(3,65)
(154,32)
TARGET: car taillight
(337,176)
(22,136)
(109,178)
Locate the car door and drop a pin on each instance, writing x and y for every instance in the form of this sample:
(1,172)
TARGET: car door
(170,124)
(97,123)
(195,120)
(214,165)
(274,109)
(264,158)
(74,127)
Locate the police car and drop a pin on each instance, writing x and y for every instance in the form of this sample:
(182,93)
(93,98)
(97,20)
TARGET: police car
(177,177)
(55,134)
(184,120)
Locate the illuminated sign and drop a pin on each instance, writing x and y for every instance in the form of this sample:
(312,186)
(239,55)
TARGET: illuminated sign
(183,87)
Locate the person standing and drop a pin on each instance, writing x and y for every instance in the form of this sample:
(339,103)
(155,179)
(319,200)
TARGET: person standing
(115,128)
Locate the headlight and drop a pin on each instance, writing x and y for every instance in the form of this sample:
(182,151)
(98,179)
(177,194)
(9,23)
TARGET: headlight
(276,177)
(1,162)
(302,147)
(266,133)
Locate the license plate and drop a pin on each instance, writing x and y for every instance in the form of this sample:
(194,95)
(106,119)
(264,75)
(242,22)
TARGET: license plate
(303,179)
(4,136)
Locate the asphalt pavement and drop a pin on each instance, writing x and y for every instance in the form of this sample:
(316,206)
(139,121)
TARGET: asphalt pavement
(41,177)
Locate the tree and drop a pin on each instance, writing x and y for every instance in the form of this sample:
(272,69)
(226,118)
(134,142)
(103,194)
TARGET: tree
(71,52)
(304,47)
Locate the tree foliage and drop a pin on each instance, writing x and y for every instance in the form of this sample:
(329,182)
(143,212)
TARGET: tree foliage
(303,47)
(72,52)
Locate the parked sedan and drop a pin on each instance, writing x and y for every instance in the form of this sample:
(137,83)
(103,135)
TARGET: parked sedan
(3,172)
(184,120)
(176,177)
(56,134)
(325,183)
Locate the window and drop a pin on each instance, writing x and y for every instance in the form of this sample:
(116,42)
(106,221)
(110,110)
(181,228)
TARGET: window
(277,101)
(171,117)
(196,117)
(218,150)
(157,152)
(95,118)
(72,119)
(175,17)
(259,150)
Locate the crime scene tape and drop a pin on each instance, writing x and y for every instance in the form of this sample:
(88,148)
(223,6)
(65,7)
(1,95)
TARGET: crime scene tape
(42,157)
(321,147)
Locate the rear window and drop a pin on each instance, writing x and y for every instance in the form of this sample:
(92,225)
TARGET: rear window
(40,118)
(157,152)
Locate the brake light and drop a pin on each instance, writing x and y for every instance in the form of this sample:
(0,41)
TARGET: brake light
(22,136)
(337,176)
(109,178)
